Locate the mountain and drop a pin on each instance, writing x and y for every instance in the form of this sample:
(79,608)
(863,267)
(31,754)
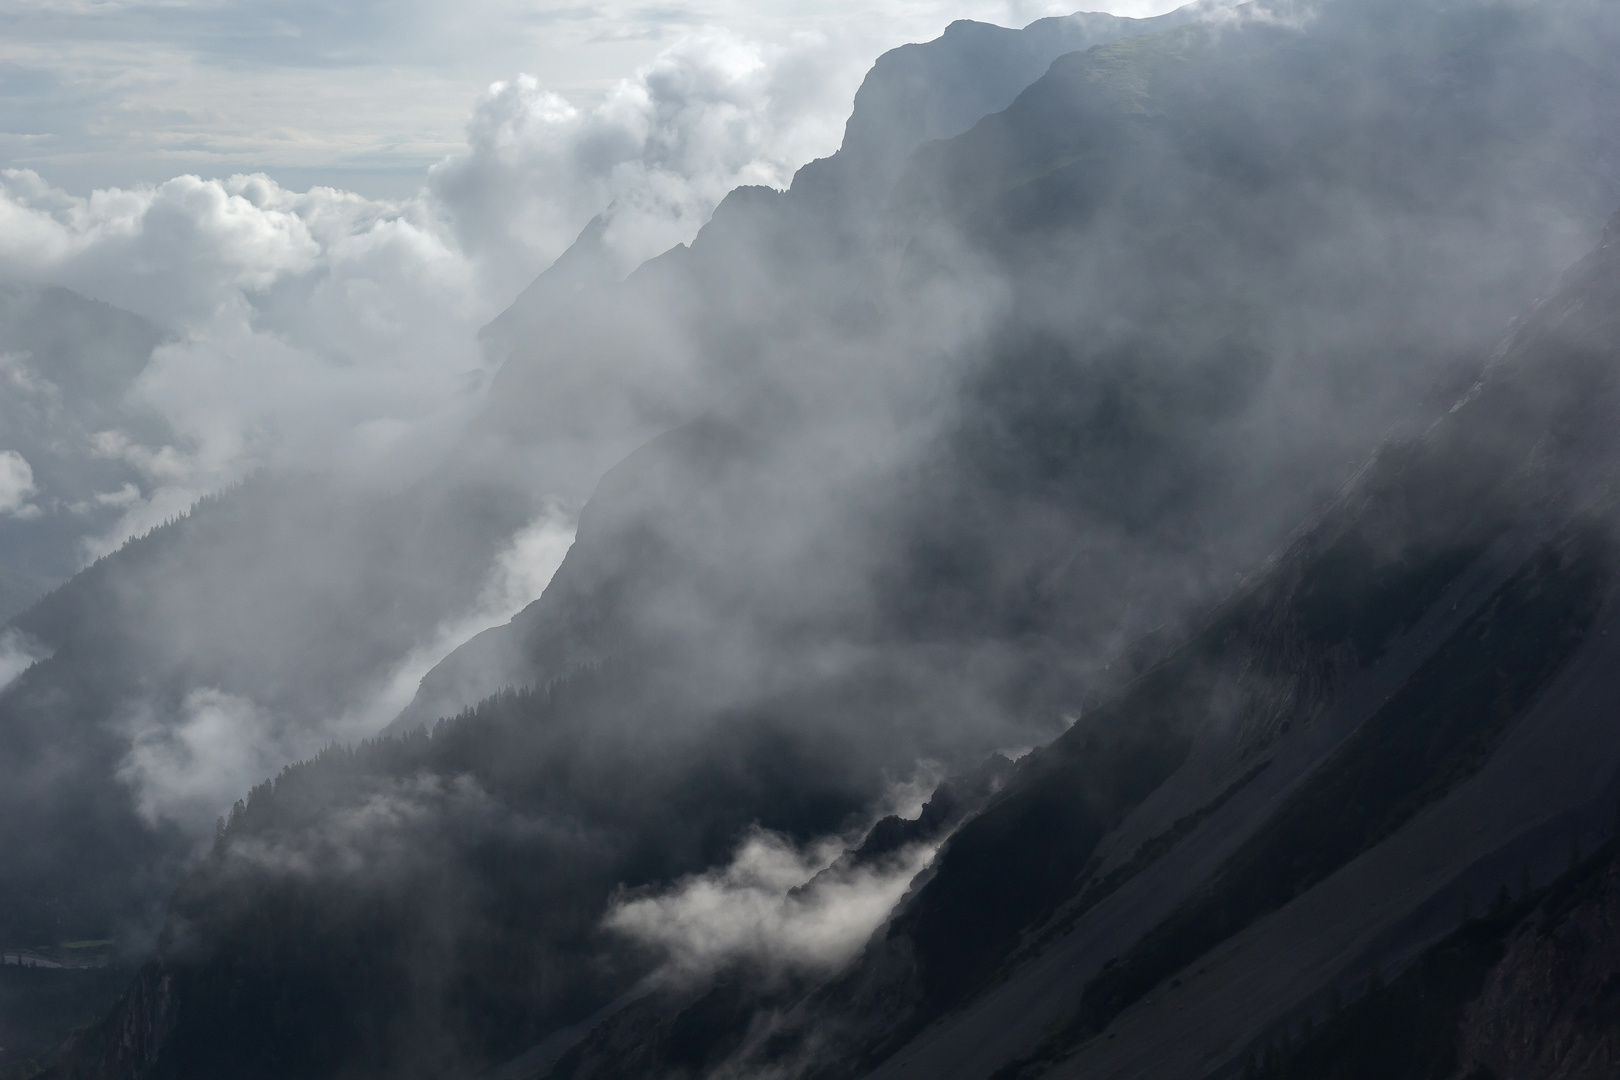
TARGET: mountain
(68,365)
(1154,230)
(244,635)
(913,94)
(1404,709)
(1162,421)
(178,669)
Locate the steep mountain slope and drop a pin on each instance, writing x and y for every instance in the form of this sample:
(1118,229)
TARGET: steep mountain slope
(1553,774)
(1108,345)
(1410,705)
(1525,990)
(182,667)
(67,365)
(1096,356)
(913,94)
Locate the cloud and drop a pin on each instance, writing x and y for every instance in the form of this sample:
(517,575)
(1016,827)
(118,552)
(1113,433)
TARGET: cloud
(711,112)
(519,575)
(187,764)
(16,485)
(307,330)
(18,653)
(776,905)
(188,769)
(321,329)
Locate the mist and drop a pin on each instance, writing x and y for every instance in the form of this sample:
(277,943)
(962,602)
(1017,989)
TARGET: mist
(528,587)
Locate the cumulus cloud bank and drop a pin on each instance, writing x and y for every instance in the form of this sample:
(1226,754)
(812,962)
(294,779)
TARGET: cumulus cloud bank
(324,329)
(305,330)
(710,113)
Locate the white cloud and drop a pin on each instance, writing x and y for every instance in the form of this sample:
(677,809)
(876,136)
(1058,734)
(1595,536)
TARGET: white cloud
(710,113)
(309,330)
(520,574)
(16,485)
(322,329)
(188,769)
(187,766)
(18,653)
(774,904)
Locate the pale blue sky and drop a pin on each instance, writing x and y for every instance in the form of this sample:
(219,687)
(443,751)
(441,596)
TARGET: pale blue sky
(366,94)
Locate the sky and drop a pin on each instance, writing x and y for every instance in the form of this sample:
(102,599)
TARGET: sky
(366,95)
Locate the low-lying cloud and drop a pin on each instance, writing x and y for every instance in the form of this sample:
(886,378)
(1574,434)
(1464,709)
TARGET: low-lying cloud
(187,765)
(16,485)
(186,769)
(18,653)
(776,905)
(520,574)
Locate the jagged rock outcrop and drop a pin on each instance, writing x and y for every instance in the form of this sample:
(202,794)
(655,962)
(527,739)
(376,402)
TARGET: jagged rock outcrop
(126,1044)
(1550,1010)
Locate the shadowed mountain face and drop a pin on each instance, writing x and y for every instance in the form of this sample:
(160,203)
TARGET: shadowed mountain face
(913,94)
(1212,838)
(67,365)
(1089,358)
(1164,419)
(179,669)
(1404,708)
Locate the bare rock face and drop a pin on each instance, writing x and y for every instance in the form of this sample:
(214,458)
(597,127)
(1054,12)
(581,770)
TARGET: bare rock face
(1551,1009)
(126,1044)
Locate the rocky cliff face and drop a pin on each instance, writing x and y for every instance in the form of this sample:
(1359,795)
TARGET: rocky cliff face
(127,1043)
(1551,1009)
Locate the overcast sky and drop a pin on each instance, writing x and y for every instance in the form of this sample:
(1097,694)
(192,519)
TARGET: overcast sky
(366,94)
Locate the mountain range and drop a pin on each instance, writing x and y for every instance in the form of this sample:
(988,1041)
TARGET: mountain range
(1110,574)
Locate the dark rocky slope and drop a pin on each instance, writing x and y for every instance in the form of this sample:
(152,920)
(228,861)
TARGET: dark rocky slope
(67,364)
(1406,707)
(1525,989)
(243,596)
(1536,433)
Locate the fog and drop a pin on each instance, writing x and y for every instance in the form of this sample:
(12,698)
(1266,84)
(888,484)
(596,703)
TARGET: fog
(772,905)
(769,473)
(307,364)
